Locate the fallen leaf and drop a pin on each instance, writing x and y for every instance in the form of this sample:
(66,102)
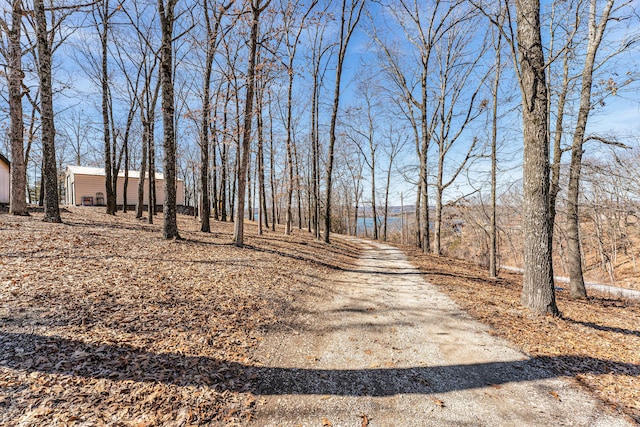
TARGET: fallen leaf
(438,402)
(555,395)
(365,420)
(326,423)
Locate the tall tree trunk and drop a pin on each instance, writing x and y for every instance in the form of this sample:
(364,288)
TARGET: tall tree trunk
(106,114)
(554,185)
(206,146)
(355,217)
(18,184)
(423,188)
(418,213)
(151,118)
(205,206)
(386,200)
(214,173)
(224,157)
(314,148)
(238,230)
(298,186)
(31,134)
(374,211)
(233,183)
(143,166)
(152,169)
(125,184)
(170,224)
(262,198)
(437,226)
(596,31)
(272,172)
(125,154)
(424,211)
(538,293)
(345,35)
(50,173)
(493,237)
(223,182)
(41,195)
(287,222)
(249,191)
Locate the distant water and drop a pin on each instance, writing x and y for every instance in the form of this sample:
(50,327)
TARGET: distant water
(392,221)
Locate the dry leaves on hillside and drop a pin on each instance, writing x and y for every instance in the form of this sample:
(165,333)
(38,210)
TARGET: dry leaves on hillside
(596,341)
(103,322)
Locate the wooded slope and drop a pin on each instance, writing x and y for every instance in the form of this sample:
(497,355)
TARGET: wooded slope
(105,322)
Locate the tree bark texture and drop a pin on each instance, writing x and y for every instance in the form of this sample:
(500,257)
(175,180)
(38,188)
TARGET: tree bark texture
(18,179)
(106,123)
(238,230)
(576,279)
(205,208)
(170,224)
(493,231)
(538,293)
(143,167)
(50,173)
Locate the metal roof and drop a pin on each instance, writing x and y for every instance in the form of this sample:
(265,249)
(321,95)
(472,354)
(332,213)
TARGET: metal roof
(85,170)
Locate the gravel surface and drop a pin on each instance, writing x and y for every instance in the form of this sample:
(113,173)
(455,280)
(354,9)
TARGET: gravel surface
(385,348)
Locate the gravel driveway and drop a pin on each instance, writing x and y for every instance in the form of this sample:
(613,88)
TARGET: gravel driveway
(385,348)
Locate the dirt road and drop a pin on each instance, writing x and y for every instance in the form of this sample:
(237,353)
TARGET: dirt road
(385,348)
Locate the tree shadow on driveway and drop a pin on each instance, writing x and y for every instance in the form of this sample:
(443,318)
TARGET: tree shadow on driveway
(56,355)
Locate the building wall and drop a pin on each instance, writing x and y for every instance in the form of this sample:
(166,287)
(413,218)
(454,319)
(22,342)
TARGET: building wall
(5,182)
(89,185)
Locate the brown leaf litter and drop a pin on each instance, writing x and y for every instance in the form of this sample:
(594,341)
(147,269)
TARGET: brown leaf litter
(596,341)
(103,322)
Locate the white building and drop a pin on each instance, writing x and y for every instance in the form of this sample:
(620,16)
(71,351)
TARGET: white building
(86,186)
(5,180)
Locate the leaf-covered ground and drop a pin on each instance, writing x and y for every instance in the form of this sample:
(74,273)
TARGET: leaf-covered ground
(103,322)
(596,341)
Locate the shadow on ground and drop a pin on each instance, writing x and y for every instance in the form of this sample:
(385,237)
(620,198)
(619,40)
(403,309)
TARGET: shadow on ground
(55,355)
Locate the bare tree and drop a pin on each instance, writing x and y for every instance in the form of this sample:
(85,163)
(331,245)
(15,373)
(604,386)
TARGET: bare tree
(396,142)
(368,135)
(456,102)
(538,293)
(213,30)
(13,54)
(257,7)
(50,174)
(102,15)
(354,161)
(293,19)
(166,10)
(493,232)
(349,18)
(319,48)
(596,31)
(424,26)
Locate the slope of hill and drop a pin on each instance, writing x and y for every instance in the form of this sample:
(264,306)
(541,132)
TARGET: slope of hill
(103,321)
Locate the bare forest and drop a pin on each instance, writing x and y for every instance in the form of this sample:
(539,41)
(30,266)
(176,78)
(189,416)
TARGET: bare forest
(501,133)
(394,121)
